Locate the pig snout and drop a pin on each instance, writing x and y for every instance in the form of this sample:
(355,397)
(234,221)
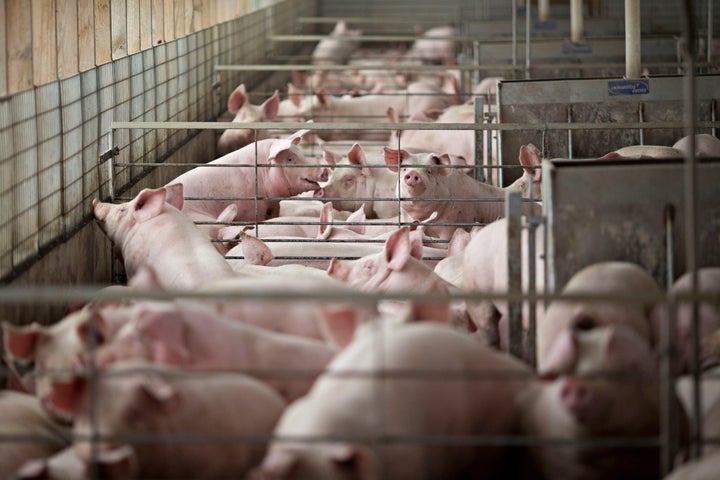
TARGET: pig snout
(100,209)
(319,193)
(583,323)
(412,179)
(575,396)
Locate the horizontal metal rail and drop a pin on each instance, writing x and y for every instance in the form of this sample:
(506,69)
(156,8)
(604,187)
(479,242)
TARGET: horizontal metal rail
(405,126)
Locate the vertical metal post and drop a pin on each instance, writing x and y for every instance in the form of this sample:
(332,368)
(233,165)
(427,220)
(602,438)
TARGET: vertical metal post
(530,352)
(527,41)
(514,259)
(709,30)
(641,119)
(111,169)
(543,10)
(570,140)
(690,198)
(480,135)
(576,21)
(632,39)
(668,402)
(514,36)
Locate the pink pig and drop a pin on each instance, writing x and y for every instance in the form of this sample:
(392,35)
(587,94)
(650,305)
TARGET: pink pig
(598,383)
(708,313)
(192,336)
(151,231)
(239,105)
(428,185)
(355,181)
(706,145)
(43,354)
(21,415)
(136,398)
(619,278)
(267,168)
(111,464)
(365,395)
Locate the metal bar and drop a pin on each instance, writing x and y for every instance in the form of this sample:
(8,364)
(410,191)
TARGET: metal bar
(406,126)
(514,33)
(668,401)
(514,263)
(527,40)
(368,38)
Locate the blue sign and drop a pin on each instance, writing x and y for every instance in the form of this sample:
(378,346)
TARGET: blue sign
(574,48)
(545,25)
(628,87)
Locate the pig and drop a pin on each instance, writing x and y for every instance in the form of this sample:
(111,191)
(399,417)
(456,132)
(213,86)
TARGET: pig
(111,464)
(485,270)
(356,182)
(708,313)
(396,269)
(428,185)
(434,51)
(602,382)
(341,409)
(239,105)
(530,184)
(137,398)
(702,468)
(238,177)
(624,279)
(709,404)
(336,49)
(194,337)
(21,415)
(450,268)
(635,152)
(323,107)
(151,231)
(41,354)
(706,146)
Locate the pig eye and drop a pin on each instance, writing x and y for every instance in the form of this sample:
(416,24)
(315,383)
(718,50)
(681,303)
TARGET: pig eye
(349,180)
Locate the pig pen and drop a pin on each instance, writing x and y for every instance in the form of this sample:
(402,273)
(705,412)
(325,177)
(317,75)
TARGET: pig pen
(161,139)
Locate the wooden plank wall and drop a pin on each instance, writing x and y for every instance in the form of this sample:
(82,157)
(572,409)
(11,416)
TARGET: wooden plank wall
(47,40)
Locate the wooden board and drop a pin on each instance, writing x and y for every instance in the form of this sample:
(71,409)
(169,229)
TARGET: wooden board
(86,34)
(67,39)
(118,28)
(19,46)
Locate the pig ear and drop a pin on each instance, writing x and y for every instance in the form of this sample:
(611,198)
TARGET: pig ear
(149,204)
(160,391)
(271,106)
(416,243)
(359,458)
(256,251)
(326,216)
(358,216)
(331,158)
(394,157)
(530,157)
(338,269)
(228,214)
(175,195)
(398,248)
(237,99)
(20,342)
(392,116)
(459,240)
(338,324)
(284,144)
(441,161)
(562,356)
(356,156)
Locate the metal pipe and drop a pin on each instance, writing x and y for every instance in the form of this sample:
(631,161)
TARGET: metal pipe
(543,10)
(709,31)
(632,39)
(514,264)
(576,21)
(514,33)
(527,41)
(691,217)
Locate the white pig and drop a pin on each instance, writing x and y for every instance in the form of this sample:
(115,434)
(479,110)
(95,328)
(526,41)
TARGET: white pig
(189,335)
(136,398)
(337,47)
(355,182)
(151,231)
(602,278)
(111,464)
(601,383)
(352,405)
(21,415)
(239,105)
(428,185)
(234,180)
(706,145)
